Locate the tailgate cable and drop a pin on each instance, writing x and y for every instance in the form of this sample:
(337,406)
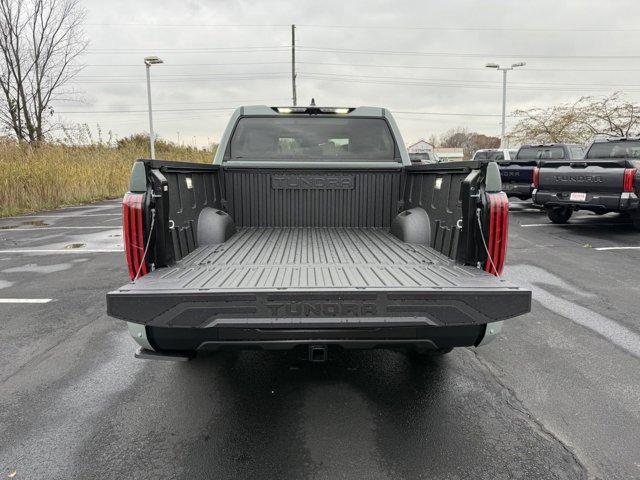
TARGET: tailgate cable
(484,242)
(146,248)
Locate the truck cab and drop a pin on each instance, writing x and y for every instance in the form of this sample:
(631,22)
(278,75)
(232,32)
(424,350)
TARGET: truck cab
(606,180)
(313,229)
(517,174)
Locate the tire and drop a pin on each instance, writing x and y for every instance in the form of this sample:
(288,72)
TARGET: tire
(559,214)
(636,222)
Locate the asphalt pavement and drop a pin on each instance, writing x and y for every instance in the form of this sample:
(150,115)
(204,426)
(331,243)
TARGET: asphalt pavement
(556,396)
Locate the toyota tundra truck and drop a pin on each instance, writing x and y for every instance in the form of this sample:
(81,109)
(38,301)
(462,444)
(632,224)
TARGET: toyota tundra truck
(312,229)
(517,174)
(606,180)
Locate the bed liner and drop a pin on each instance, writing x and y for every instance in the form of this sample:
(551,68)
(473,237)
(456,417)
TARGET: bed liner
(271,274)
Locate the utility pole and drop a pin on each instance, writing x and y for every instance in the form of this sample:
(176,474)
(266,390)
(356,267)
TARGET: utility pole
(293,64)
(504,95)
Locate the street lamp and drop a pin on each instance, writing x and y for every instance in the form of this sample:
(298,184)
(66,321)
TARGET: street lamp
(504,92)
(148,61)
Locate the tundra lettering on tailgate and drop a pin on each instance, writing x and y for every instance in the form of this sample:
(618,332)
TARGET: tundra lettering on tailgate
(579,178)
(312,182)
(324,309)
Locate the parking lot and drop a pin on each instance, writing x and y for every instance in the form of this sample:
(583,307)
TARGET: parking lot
(556,396)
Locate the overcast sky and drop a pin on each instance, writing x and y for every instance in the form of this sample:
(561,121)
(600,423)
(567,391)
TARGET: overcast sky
(413,56)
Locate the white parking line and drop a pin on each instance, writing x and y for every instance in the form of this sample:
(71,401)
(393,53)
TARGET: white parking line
(575,225)
(617,248)
(25,300)
(19,229)
(65,250)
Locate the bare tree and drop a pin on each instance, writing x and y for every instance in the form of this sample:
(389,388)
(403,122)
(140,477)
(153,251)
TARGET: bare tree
(40,42)
(460,137)
(579,121)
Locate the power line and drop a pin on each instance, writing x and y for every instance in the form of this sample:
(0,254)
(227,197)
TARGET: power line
(446,85)
(482,28)
(359,65)
(489,82)
(461,54)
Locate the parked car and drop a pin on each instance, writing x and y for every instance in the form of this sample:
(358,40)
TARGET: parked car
(517,174)
(495,154)
(313,228)
(424,157)
(606,180)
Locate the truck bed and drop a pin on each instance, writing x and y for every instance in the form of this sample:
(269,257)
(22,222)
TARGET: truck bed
(315,272)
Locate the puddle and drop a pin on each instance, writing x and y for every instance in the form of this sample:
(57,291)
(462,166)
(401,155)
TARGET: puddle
(36,223)
(31,223)
(75,245)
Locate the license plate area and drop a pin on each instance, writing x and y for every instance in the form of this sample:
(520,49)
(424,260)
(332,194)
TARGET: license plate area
(578,196)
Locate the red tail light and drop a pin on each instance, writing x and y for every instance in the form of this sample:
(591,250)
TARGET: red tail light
(133,232)
(536,177)
(498,229)
(628,180)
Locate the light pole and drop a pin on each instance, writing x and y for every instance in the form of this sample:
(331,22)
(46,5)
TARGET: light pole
(148,61)
(504,93)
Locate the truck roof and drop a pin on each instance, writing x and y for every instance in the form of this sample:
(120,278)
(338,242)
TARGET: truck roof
(264,110)
(617,139)
(536,145)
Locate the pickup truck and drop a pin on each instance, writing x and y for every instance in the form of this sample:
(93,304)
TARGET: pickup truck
(495,154)
(311,229)
(606,180)
(517,174)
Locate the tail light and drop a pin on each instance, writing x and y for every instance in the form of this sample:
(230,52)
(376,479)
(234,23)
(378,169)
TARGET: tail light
(133,232)
(536,177)
(628,179)
(498,229)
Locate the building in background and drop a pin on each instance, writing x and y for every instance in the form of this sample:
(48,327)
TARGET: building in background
(421,146)
(446,154)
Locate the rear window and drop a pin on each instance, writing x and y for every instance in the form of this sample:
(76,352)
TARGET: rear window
(537,153)
(489,155)
(624,149)
(312,138)
(577,152)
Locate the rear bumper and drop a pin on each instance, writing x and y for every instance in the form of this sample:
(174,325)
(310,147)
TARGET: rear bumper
(595,201)
(214,339)
(519,190)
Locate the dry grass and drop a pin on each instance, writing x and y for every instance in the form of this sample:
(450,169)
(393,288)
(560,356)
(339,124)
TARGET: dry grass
(53,175)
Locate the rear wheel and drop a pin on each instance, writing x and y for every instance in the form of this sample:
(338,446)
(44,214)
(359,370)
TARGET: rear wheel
(559,214)
(636,222)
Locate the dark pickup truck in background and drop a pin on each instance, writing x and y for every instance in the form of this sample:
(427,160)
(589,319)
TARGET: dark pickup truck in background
(313,228)
(517,174)
(606,180)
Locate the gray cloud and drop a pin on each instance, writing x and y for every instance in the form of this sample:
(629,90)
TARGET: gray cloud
(114,76)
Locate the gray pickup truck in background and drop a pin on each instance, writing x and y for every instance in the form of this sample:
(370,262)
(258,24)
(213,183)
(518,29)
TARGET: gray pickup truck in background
(606,180)
(517,173)
(312,228)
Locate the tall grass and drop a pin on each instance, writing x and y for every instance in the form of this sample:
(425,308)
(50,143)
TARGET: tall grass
(53,175)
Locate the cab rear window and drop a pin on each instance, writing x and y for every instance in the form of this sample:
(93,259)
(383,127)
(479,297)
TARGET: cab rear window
(540,153)
(299,138)
(624,149)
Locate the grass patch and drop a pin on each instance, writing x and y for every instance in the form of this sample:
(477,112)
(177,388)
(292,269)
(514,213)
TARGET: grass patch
(55,175)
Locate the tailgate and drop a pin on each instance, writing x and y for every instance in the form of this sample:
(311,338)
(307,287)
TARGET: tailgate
(582,178)
(521,172)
